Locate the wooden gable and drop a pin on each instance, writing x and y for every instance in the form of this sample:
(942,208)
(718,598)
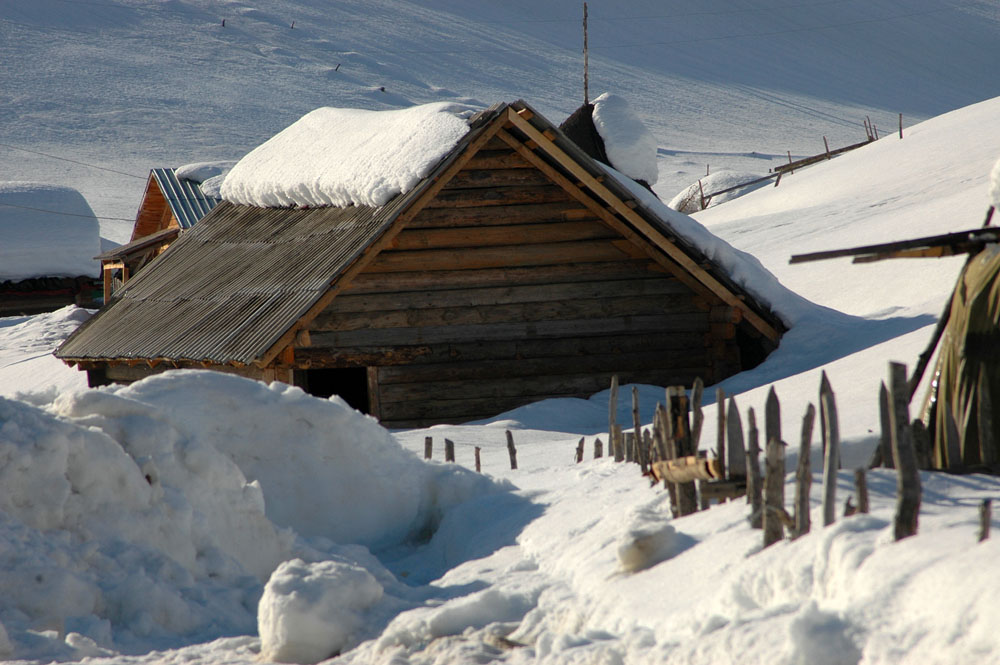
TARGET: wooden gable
(154,212)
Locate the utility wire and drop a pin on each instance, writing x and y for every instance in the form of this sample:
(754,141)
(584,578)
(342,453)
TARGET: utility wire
(73,161)
(68,214)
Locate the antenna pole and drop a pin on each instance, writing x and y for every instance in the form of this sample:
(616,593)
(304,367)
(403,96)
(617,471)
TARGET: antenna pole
(586,58)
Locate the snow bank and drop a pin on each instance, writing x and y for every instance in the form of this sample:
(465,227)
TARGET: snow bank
(688,200)
(151,514)
(309,612)
(630,146)
(341,157)
(46,231)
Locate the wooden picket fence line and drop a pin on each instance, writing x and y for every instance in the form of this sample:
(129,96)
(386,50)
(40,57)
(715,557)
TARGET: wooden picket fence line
(668,452)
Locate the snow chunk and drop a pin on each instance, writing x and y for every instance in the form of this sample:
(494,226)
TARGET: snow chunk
(688,200)
(46,231)
(630,146)
(309,612)
(995,185)
(201,171)
(648,540)
(342,157)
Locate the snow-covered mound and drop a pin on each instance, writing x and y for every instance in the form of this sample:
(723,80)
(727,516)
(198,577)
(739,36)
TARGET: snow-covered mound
(26,344)
(46,231)
(209,175)
(688,200)
(153,513)
(629,145)
(341,157)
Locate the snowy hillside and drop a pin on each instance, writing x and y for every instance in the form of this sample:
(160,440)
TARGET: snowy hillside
(202,518)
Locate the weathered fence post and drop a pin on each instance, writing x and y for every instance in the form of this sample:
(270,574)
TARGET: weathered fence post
(720,436)
(803,475)
(663,449)
(985,515)
(907,476)
(687,493)
(754,488)
(774,472)
(612,415)
(598,448)
(619,443)
(511,450)
(861,489)
(734,435)
(449,450)
(629,446)
(831,450)
(579,450)
(883,454)
(697,416)
(479,465)
(632,454)
(428,446)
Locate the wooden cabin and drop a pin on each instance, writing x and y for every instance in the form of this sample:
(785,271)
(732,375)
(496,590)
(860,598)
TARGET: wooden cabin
(518,269)
(169,205)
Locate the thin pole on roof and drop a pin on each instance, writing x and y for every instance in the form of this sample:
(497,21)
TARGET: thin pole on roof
(586,59)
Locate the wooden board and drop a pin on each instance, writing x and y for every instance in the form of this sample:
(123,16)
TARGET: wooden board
(687,469)
(497,196)
(510,234)
(493,215)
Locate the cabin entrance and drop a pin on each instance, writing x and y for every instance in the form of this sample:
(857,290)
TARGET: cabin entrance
(351,383)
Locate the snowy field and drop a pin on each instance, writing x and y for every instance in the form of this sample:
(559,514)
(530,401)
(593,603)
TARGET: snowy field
(196,517)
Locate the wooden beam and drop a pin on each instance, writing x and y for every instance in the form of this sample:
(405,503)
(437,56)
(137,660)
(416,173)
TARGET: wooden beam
(636,220)
(687,469)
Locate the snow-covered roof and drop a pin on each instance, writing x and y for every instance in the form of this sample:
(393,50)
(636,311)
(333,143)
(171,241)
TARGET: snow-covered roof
(629,145)
(46,231)
(341,157)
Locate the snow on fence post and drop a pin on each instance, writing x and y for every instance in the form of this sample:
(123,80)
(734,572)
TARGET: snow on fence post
(734,435)
(579,450)
(985,515)
(774,472)
(428,447)
(479,465)
(753,476)
(803,474)
(861,489)
(831,450)
(511,450)
(449,450)
(698,417)
(907,476)
(720,436)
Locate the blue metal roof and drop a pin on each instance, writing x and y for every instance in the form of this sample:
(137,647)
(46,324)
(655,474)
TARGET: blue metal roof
(186,200)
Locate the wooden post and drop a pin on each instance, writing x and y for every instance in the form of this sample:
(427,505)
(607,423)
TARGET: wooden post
(907,476)
(900,125)
(831,438)
(598,449)
(698,417)
(664,449)
(827,144)
(720,436)
(774,492)
(885,441)
(449,450)
(629,446)
(680,433)
(511,450)
(479,465)
(646,450)
(428,446)
(612,415)
(701,191)
(579,450)
(826,389)
(734,433)
(803,474)
(632,454)
(754,487)
(619,444)
(985,515)
(861,489)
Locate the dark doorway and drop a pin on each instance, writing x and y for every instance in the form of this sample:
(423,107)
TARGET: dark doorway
(351,383)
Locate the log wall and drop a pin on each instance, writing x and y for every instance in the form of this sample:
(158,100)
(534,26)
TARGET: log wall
(506,290)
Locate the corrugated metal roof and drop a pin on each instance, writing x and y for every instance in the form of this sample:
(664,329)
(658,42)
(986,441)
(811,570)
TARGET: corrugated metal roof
(229,288)
(186,200)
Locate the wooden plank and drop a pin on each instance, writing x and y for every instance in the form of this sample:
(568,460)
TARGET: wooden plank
(501,215)
(573,308)
(908,490)
(653,235)
(504,158)
(977,236)
(567,349)
(524,367)
(502,331)
(497,196)
(498,178)
(494,257)
(512,234)
(687,469)
(424,280)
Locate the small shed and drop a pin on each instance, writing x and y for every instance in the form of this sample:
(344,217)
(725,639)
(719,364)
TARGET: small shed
(48,237)
(170,204)
(514,269)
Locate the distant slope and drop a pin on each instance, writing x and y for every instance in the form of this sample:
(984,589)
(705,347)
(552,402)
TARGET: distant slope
(132,84)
